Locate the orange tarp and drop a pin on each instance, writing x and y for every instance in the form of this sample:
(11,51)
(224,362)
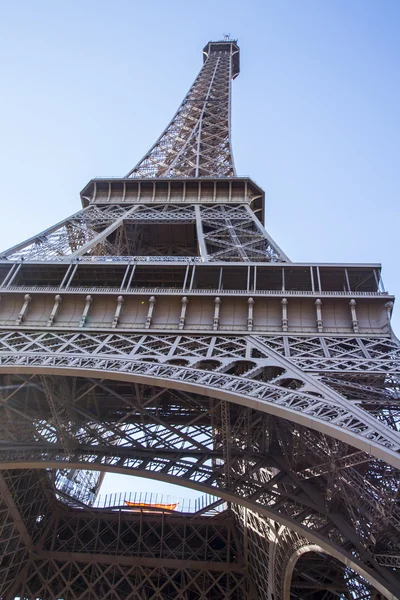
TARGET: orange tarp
(156,506)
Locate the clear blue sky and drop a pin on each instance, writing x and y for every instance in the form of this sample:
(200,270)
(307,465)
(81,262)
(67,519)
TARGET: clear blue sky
(87,86)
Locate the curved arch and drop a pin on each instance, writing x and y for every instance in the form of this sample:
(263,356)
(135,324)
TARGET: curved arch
(310,548)
(178,362)
(207,364)
(291,383)
(240,366)
(287,579)
(358,428)
(316,539)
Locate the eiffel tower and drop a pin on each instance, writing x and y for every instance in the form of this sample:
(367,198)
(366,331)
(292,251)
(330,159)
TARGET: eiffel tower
(161,332)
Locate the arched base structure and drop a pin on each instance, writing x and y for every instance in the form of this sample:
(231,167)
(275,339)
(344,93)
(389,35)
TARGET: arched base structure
(287,473)
(267,388)
(306,570)
(318,576)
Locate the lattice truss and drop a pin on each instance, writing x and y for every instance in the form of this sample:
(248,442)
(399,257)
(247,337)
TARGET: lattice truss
(305,467)
(62,552)
(138,556)
(219,360)
(230,232)
(85,229)
(26,500)
(256,538)
(197,143)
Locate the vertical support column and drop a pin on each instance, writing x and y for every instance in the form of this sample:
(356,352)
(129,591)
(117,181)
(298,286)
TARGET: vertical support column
(220,278)
(120,301)
(24,309)
(376,280)
(347,280)
(354,320)
(312,278)
(250,311)
(318,310)
(185,278)
(217,304)
(183,312)
(128,285)
(152,303)
(200,233)
(192,278)
(319,279)
(86,310)
(284,304)
(56,306)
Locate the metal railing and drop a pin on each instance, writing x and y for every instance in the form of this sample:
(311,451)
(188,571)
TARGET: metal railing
(150,501)
(194,291)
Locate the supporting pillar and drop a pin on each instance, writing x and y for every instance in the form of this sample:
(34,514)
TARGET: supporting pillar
(24,309)
(354,320)
(200,234)
(120,301)
(250,311)
(284,304)
(86,310)
(56,306)
(152,302)
(217,304)
(183,312)
(318,310)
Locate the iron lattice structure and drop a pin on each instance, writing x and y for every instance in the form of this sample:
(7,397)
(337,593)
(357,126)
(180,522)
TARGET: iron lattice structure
(161,332)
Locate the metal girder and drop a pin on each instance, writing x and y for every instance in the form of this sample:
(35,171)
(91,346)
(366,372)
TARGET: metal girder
(166,563)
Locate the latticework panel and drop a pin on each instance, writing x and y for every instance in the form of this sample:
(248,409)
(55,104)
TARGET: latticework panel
(86,228)
(135,555)
(256,535)
(197,141)
(242,366)
(25,509)
(232,234)
(79,580)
